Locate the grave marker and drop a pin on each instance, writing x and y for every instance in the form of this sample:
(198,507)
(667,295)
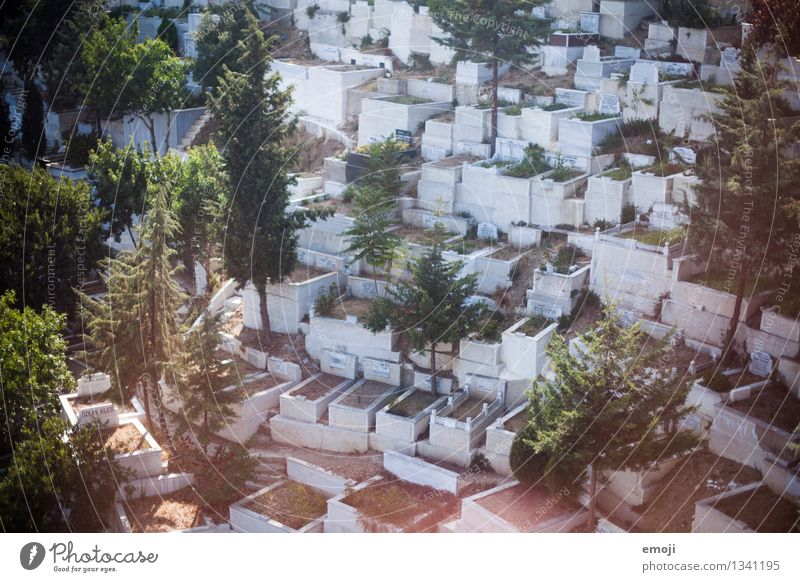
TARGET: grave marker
(609,104)
(487,230)
(590,22)
(685,155)
(760,364)
(644,72)
(571,97)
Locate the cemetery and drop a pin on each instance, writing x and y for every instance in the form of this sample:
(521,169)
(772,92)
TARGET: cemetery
(747,509)
(514,508)
(284,507)
(585,193)
(381,504)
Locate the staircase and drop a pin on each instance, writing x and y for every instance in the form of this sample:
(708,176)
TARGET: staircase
(195,129)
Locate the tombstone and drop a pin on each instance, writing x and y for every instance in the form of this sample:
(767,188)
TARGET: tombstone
(677,69)
(509,94)
(487,230)
(539,12)
(730,55)
(591,53)
(571,97)
(549,268)
(609,104)
(682,154)
(369,288)
(590,22)
(644,72)
(102,413)
(627,52)
(627,318)
(337,360)
(402,135)
(380,369)
(760,364)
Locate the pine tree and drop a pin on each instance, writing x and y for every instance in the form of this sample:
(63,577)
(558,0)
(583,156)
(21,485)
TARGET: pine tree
(202,379)
(375,204)
(252,114)
(494,31)
(745,208)
(608,408)
(431,308)
(34,142)
(135,328)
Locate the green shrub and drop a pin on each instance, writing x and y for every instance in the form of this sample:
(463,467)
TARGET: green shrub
(527,465)
(311,11)
(628,214)
(717,381)
(326,300)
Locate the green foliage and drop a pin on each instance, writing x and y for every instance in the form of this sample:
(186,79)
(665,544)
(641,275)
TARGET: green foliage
(221,44)
(531,165)
(749,161)
(366,42)
(527,466)
(717,381)
(690,13)
(311,10)
(628,213)
(51,477)
(33,368)
(50,236)
(497,31)
(431,308)
(375,196)
(33,141)
(135,329)
(608,406)
(235,463)
(201,380)
(119,179)
(78,148)
(775,23)
(326,300)
(168,33)
(157,84)
(251,111)
(106,62)
(555,106)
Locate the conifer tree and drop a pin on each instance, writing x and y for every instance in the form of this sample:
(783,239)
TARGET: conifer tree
(495,31)
(609,407)
(745,208)
(201,381)
(431,308)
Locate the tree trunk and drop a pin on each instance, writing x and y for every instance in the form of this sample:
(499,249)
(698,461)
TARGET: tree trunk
(133,238)
(205,431)
(146,398)
(151,127)
(99,126)
(493,132)
(590,520)
(727,350)
(265,325)
(433,368)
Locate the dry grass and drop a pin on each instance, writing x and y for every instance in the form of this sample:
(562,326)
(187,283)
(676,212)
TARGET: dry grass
(180,510)
(123,439)
(308,152)
(292,504)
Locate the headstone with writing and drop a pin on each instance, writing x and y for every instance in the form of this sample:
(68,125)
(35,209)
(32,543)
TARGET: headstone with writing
(337,360)
(369,288)
(760,364)
(627,52)
(102,413)
(677,69)
(590,22)
(571,97)
(487,230)
(682,154)
(402,135)
(539,12)
(730,56)
(644,72)
(509,94)
(609,104)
